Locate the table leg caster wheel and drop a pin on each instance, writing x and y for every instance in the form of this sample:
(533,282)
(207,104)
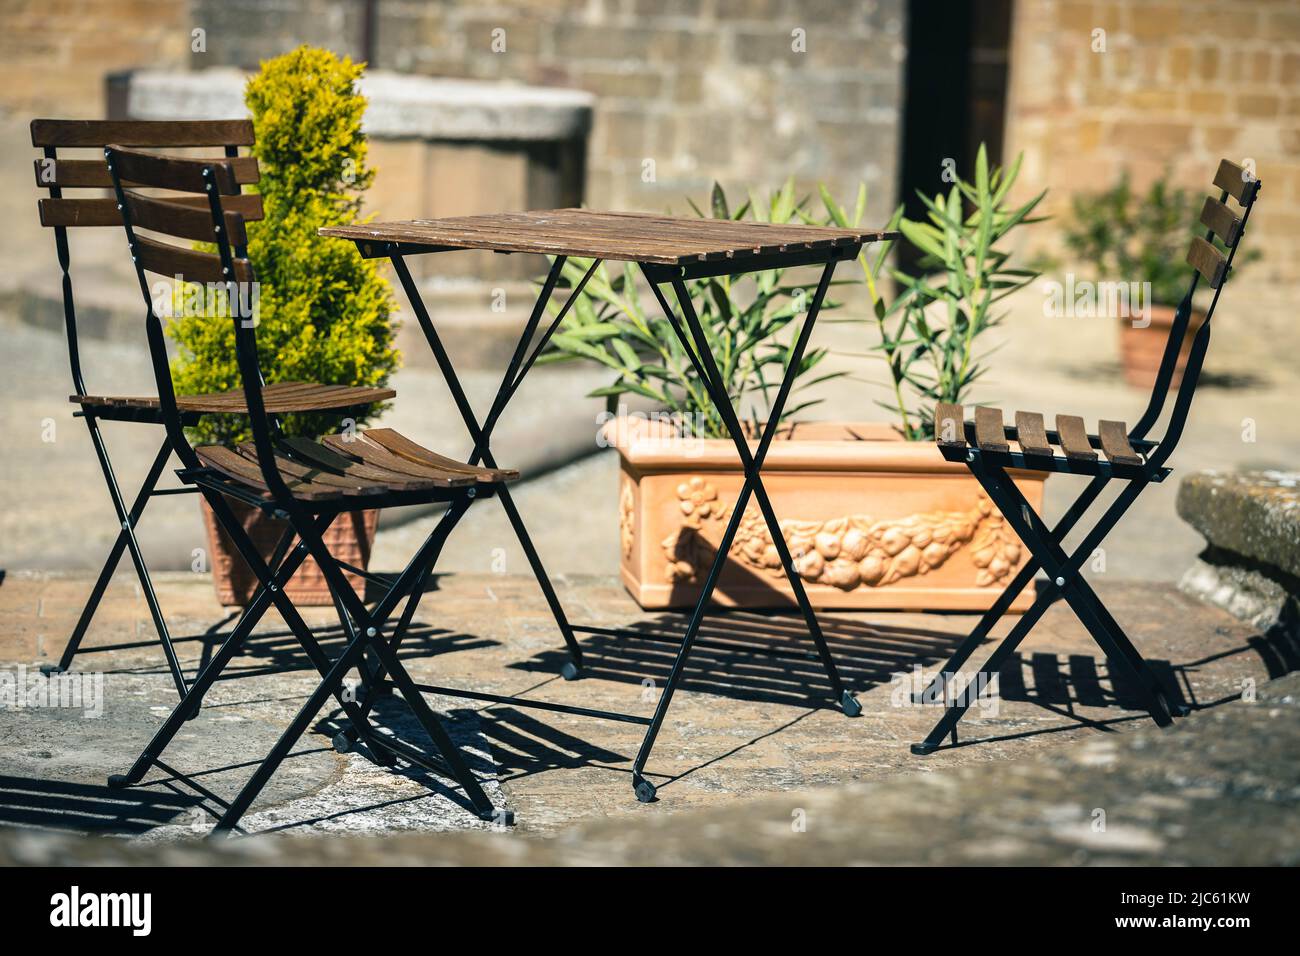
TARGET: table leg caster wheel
(925,748)
(342,742)
(48,669)
(850,705)
(570,671)
(118,781)
(645,791)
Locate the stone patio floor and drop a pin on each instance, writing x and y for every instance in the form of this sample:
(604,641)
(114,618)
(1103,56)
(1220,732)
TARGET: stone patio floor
(743,726)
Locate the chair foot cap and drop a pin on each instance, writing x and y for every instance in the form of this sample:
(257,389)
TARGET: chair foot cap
(645,791)
(119,780)
(571,671)
(924,749)
(342,742)
(850,704)
(501,817)
(48,669)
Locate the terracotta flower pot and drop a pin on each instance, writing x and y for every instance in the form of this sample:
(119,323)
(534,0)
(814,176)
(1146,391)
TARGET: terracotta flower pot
(350,538)
(1142,349)
(873,521)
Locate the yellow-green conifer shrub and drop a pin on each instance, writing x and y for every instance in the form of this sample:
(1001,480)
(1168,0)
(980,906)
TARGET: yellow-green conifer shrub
(324,312)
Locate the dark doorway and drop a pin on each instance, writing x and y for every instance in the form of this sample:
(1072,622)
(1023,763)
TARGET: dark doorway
(955,91)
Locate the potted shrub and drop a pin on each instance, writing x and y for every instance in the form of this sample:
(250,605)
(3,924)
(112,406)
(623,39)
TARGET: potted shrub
(323,311)
(873,514)
(1130,238)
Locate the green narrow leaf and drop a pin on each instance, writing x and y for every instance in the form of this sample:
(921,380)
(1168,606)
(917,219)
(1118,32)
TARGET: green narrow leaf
(718,200)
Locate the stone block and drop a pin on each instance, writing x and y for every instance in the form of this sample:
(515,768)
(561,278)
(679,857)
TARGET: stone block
(1254,514)
(1251,568)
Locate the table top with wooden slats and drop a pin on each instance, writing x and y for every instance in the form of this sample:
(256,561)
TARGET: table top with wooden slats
(617,236)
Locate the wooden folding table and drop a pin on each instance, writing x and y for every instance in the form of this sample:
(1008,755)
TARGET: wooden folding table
(669,251)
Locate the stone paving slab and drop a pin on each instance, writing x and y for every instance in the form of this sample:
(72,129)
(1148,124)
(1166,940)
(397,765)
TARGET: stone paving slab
(743,726)
(1220,789)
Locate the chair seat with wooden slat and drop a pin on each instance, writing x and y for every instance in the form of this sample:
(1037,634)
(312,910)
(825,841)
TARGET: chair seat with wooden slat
(1115,452)
(389,449)
(343,468)
(1033,449)
(282,398)
(71,173)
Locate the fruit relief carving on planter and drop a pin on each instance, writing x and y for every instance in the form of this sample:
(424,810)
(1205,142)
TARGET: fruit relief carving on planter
(846,552)
(627,518)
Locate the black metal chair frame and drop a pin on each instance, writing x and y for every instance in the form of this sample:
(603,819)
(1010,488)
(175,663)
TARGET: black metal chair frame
(363,627)
(1044,542)
(229,135)
(691,335)
(127,517)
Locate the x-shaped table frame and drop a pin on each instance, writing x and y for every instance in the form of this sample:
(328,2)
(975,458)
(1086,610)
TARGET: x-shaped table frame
(690,334)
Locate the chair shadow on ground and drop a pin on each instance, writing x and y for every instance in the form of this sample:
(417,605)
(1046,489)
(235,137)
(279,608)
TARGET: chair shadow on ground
(277,651)
(29,803)
(768,657)
(497,742)
(756,656)
(520,742)
(273,648)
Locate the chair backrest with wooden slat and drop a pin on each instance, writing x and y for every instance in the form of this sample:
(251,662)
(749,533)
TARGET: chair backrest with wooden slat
(56,172)
(1212,265)
(228,268)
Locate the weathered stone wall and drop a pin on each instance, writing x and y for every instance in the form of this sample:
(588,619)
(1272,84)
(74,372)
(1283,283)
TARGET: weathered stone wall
(703,89)
(54,54)
(1251,525)
(1179,86)
(713,88)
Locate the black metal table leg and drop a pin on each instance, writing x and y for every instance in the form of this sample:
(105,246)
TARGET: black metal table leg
(702,358)
(481,437)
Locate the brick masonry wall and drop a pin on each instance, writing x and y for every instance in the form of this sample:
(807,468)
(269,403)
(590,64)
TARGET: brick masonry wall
(1179,86)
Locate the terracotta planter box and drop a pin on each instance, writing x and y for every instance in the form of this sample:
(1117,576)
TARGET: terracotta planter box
(350,538)
(1141,350)
(872,521)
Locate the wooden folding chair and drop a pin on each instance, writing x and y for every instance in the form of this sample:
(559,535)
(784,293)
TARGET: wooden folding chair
(305,483)
(61,214)
(990,448)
